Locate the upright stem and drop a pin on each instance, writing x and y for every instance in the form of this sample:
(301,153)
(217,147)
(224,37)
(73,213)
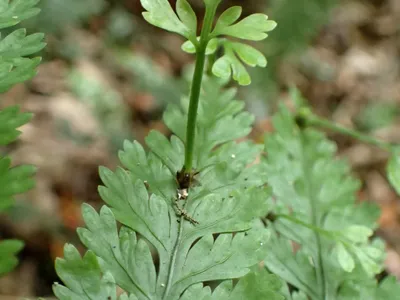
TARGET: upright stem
(196,86)
(315,221)
(211,8)
(312,120)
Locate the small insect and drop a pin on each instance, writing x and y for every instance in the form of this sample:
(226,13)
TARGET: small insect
(146,184)
(185,215)
(186,180)
(182,194)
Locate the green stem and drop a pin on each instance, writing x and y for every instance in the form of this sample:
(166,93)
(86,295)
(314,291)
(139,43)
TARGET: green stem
(312,120)
(315,220)
(306,225)
(172,266)
(196,85)
(191,127)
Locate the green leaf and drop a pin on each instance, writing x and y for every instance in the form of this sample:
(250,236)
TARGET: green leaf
(222,67)
(187,15)
(15,68)
(226,203)
(389,288)
(393,172)
(149,169)
(255,285)
(17,180)
(160,13)
(249,55)
(220,120)
(126,257)
(14,181)
(8,251)
(17,44)
(228,257)
(22,70)
(10,120)
(345,259)
(83,277)
(316,208)
(253,27)
(13,12)
(228,17)
(295,269)
(366,288)
(357,233)
(172,153)
(371,257)
(229,64)
(197,291)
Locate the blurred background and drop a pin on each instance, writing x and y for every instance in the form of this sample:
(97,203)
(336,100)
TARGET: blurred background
(107,76)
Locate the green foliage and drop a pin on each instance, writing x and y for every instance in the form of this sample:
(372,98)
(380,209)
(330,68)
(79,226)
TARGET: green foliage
(11,13)
(8,251)
(84,278)
(15,68)
(164,236)
(316,209)
(14,181)
(229,65)
(255,285)
(254,28)
(228,198)
(10,119)
(160,13)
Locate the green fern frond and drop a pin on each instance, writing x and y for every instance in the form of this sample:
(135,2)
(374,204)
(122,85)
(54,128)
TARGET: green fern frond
(84,277)
(144,197)
(316,208)
(8,251)
(15,68)
(236,54)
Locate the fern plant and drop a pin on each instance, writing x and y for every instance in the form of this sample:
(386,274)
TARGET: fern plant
(190,208)
(315,208)
(15,67)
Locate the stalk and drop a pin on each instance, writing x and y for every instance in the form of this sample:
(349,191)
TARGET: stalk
(309,119)
(196,85)
(191,126)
